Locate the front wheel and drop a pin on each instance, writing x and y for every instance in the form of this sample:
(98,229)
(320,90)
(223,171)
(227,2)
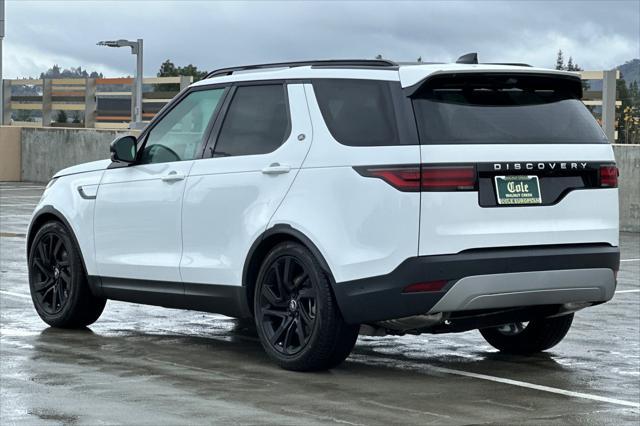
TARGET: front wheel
(297,318)
(58,282)
(530,337)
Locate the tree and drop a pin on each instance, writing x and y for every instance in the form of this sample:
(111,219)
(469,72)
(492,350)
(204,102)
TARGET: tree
(56,72)
(61,117)
(571,66)
(628,121)
(168,69)
(76,117)
(634,94)
(560,60)
(23,115)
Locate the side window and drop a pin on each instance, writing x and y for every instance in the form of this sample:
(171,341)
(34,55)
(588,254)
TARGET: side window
(257,121)
(358,112)
(178,134)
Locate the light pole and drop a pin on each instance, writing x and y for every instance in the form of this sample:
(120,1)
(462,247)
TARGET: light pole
(1,80)
(136,49)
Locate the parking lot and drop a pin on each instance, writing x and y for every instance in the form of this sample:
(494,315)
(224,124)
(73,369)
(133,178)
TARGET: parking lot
(141,364)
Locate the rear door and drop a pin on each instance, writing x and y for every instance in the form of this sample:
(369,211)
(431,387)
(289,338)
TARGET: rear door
(512,160)
(253,156)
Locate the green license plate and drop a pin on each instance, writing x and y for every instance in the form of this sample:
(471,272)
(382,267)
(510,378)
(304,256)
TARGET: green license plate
(518,190)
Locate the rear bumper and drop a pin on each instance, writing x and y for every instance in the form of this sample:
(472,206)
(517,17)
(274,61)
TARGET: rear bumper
(485,279)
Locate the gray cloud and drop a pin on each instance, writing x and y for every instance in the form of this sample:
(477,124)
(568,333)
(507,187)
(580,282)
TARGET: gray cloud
(598,34)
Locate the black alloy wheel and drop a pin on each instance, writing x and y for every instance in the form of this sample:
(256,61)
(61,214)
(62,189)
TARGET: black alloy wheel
(288,305)
(52,276)
(297,317)
(58,281)
(512,329)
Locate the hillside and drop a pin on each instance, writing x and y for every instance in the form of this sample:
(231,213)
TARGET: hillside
(630,71)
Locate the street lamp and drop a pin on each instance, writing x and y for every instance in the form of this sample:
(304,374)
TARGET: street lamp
(1,80)
(136,49)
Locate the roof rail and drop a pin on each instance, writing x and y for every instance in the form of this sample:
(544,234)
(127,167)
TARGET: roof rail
(513,64)
(322,63)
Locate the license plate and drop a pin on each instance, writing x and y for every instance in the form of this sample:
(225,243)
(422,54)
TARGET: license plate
(518,190)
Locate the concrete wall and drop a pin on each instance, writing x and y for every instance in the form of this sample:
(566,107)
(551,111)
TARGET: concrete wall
(9,154)
(628,161)
(47,150)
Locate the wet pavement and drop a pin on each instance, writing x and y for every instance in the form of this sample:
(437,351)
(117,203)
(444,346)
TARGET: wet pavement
(150,365)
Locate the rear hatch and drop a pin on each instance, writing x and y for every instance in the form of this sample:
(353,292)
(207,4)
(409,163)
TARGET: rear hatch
(511,159)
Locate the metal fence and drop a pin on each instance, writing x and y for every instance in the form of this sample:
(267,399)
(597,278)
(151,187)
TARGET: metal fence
(107,102)
(84,102)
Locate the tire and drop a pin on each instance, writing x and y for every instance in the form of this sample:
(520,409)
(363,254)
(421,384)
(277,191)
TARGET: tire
(296,314)
(58,281)
(536,336)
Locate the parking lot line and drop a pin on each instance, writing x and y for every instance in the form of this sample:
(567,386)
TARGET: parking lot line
(412,365)
(629,260)
(12,294)
(628,291)
(18,188)
(537,387)
(12,235)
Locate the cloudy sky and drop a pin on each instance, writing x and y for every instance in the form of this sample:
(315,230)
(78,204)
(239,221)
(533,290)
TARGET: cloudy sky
(598,34)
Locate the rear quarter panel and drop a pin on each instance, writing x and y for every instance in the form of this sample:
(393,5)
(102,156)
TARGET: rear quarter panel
(362,226)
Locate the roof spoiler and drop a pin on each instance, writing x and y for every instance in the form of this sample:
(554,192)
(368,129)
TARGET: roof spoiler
(572,82)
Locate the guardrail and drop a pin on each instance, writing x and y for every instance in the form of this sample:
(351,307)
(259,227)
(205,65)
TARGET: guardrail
(107,102)
(84,102)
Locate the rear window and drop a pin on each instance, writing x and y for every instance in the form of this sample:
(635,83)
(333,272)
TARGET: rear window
(502,109)
(359,112)
(257,122)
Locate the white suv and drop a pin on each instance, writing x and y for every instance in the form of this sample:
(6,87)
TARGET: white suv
(327,197)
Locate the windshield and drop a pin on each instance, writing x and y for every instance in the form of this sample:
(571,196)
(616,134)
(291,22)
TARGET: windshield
(496,109)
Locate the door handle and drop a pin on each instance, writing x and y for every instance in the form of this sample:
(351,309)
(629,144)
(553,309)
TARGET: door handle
(173,176)
(276,169)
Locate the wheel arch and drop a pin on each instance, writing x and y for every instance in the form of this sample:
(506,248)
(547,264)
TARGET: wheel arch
(261,247)
(48,214)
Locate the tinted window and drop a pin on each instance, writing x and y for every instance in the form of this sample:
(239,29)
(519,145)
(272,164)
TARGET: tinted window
(358,112)
(178,135)
(257,121)
(503,109)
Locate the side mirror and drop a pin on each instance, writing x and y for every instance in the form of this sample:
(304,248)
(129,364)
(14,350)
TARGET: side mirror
(123,149)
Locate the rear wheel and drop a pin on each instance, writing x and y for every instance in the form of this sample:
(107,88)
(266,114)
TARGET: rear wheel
(58,282)
(528,337)
(297,318)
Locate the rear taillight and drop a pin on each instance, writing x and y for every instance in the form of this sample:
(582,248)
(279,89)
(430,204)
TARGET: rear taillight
(608,176)
(413,178)
(448,178)
(404,178)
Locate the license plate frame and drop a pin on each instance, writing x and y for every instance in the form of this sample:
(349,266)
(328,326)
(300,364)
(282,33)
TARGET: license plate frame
(518,190)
